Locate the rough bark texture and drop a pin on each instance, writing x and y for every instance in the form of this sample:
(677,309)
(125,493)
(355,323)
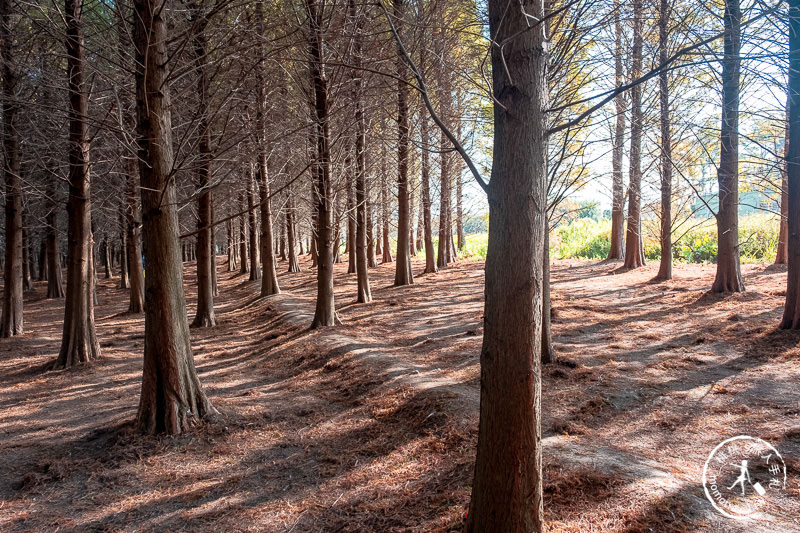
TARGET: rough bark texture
(430,253)
(204,316)
(79,340)
(634,250)
(27,258)
(244,263)
(781,257)
(325,310)
(133,241)
(351,218)
(172,398)
(402,273)
(11,319)
(507,487)
(386,251)
(617,250)
(364,293)
(729,276)
(55,283)
(252,230)
(791,313)
(665,265)
(548,349)
(291,234)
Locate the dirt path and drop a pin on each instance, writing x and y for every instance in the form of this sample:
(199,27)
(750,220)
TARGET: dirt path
(371,426)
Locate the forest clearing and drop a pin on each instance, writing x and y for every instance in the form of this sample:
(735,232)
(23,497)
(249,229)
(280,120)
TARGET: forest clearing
(372,426)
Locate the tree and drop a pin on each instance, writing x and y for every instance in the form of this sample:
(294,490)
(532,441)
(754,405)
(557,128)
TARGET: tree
(403,274)
(79,342)
(172,398)
(617,249)
(634,250)
(781,257)
(791,312)
(665,266)
(507,488)
(11,320)
(729,276)
(204,316)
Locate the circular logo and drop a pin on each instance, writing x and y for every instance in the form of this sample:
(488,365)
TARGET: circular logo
(742,474)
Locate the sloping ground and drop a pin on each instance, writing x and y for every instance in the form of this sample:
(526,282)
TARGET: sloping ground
(372,426)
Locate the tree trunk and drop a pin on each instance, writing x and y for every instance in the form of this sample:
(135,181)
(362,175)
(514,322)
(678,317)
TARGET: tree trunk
(42,259)
(386,250)
(269,276)
(634,253)
(172,398)
(122,257)
(665,265)
(55,283)
(351,220)
(445,233)
(133,240)
(231,246)
(430,253)
(548,350)
(617,250)
(255,268)
(325,310)
(27,260)
(106,257)
(791,313)
(364,293)
(372,245)
(781,257)
(291,239)
(729,276)
(79,340)
(402,274)
(243,259)
(507,487)
(11,319)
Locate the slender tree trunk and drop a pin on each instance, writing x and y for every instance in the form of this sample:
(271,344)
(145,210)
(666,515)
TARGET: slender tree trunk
(507,487)
(634,252)
(172,398)
(403,274)
(781,257)
(42,260)
(325,311)
(351,220)
(617,250)
(386,250)
(55,283)
(430,253)
(122,257)
(27,260)
(243,258)
(729,276)
(79,340)
(269,276)
(372,245)
(11,319)
(791,313)
(291,239)
(134,229)
(231,246)
(255,269)
(364,293)
(204,316)
(665,266)
(106,257)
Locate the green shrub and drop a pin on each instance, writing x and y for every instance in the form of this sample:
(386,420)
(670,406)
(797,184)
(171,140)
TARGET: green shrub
(582,238)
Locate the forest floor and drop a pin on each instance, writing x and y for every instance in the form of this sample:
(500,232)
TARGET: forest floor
(372,426)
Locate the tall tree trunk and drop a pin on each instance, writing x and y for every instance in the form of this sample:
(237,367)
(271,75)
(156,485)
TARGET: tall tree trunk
(372,245)
(548,349)
(430,253)
(243,259)
(79,340)
(204,316)
(364,293)
(172,398)
(42,259)
(634,252)
(781,257)
(55,283)
(106,256)
(123,240)
(507,487)
(134,229)
(729,276)
(386,250)
(27,259)
(402,274)
(231,246)
(665,266)
(291,239)
(617,250)
(11,318)
(255,268)
(791,313)
(269,275)
(351,220)
(325,310)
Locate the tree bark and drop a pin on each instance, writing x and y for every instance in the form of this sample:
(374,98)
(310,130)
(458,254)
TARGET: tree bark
(617,250)
(325,310)
(123,241)
(79,342)
(507,487)
(172,398)
(402,274)
(386,250)
(351,219)
(372,245)
(27,259)
(11,322)
(729,276)
(243,258)
(269,274)
(255,268)
(781,257)
(791,312)
(548,349)
(634,252)
(134,229)
(425,139)
(55,283)
(291,238)
(665,265)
